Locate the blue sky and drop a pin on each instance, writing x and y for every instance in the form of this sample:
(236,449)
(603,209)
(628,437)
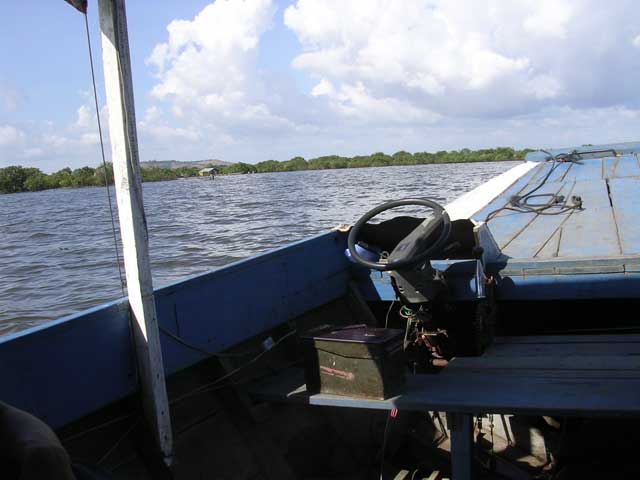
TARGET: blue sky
(250,81)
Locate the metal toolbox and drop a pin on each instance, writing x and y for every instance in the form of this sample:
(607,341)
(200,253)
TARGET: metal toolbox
(355,361)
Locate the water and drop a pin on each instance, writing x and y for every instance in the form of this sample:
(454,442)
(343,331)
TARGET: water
(56,246)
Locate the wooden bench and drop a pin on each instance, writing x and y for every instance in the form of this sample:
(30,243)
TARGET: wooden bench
(578,375)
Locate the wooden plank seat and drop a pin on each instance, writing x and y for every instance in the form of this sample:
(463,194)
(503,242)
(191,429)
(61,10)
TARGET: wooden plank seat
(586,375)
(579,375)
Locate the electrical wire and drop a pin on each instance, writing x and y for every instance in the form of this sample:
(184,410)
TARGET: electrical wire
(209,386)
(100,426)
(207,353)
(384,444)
(96,427)
(118,442)
(386,319)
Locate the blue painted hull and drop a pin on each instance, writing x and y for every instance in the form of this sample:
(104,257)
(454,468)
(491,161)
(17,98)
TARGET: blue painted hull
(70,367)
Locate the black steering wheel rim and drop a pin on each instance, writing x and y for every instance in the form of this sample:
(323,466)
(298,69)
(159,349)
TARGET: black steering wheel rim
(441,215)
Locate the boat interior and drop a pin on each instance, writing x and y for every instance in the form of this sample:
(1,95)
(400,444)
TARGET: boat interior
(519,356)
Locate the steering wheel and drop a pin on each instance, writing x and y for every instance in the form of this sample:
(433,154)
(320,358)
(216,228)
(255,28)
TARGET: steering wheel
(412,249)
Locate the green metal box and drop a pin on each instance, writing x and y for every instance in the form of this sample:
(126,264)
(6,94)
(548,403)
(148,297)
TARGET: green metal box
(356,361)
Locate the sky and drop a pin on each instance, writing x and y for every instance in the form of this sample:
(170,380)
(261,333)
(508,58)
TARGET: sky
(267,79)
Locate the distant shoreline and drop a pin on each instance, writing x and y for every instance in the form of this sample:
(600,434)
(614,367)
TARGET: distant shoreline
(15,179)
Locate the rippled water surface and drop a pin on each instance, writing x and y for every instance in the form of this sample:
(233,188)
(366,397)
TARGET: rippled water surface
(56,246)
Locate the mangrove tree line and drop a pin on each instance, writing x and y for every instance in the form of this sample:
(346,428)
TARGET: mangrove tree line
(24,179)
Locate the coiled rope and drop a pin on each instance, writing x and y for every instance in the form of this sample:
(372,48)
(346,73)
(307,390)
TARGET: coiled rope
(554,204)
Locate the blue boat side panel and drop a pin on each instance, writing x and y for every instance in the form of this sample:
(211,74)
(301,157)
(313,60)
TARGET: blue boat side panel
(70,367)
(625,195)
(570,287)
(376,286)
(460,276)
(591,232)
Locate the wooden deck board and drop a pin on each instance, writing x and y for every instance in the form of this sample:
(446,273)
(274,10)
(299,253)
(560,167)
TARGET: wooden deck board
(591,232)
(560,172)
(627,166)
(508,226)
(625,193)
(555,381)
(539,231)
(586,170)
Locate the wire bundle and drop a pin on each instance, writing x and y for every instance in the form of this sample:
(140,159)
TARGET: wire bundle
(546,203)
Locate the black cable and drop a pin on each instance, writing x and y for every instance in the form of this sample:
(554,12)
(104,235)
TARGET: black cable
(118,442)
(386,320)
(207,353)
(384,444)
(104,162)
(209,386)
(555,205)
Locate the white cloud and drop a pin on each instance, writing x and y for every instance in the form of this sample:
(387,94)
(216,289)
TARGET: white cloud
(10,135)
(549,18)
(365,76)
(51,146)
(469,58)
(207,65)
(84,117)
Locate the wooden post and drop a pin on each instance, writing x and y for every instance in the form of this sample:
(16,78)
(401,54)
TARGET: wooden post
(133,225)
(461,428)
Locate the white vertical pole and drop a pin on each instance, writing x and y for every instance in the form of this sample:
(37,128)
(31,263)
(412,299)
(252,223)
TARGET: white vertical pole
(133,226)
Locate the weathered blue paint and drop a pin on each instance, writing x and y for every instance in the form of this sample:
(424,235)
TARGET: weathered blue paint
(70,367)
(608,227)
(620,148)
(538,240)
(591,232)
(459,274)
(628,166)
(625,194)
(569,286)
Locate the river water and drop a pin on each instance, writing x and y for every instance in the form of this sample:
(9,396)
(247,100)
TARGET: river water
(56,247)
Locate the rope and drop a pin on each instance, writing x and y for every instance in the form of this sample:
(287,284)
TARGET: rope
(554,205)
(104,161)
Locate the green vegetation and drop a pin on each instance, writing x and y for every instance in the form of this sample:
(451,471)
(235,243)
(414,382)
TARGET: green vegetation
(378,159)
(22,179)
